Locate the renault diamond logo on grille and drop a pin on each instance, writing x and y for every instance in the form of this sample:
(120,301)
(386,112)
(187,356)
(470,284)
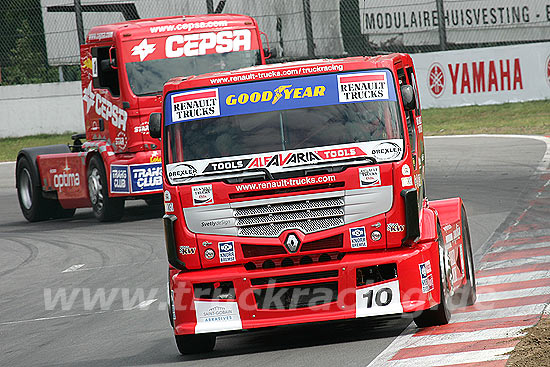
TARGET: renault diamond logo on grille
(292,242)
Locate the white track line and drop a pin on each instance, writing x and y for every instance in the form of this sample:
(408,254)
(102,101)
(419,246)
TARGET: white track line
(454,358)
(73,268)
(460,337)
(498,313)
(511,278)
(526,292)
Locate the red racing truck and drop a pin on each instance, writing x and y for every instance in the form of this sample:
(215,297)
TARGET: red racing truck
(295,193)
(124,67)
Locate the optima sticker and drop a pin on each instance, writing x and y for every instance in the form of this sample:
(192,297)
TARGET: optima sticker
(195,105)
(362,87)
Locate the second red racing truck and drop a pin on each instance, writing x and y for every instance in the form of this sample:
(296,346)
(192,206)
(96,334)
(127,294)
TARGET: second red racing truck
(295,193)
(124,67)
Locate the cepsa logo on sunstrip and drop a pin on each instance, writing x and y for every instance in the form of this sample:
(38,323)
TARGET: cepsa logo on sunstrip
(284,92)
(362,87)
(195,105)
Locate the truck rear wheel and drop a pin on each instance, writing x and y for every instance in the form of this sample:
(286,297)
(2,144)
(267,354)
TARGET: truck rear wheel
(467,293)
(441,313)
(105,208)
(197,343)
(29,192)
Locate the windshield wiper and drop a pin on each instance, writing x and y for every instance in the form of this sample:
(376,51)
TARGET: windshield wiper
(157,93)
(237,176)
(333,165)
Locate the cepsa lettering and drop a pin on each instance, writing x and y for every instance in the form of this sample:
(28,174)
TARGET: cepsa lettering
(283,91)
(110,112)
(210,42)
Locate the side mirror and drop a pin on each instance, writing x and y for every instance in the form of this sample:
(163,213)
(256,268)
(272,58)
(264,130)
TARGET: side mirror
(270,53)
(155,120)
(407,94)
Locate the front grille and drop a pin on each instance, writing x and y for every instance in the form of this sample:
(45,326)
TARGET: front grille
(294,277)
(299,296)
(271,220)
(294,261)
(375,274)
(324,244)
(261,250)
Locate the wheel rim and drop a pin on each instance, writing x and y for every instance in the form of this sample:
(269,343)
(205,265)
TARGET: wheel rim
(25,188)
(96,189)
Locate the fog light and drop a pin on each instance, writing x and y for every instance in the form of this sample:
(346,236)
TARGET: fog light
(209,254)
(376,235)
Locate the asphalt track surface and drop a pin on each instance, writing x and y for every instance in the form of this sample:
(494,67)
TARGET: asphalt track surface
(85,258)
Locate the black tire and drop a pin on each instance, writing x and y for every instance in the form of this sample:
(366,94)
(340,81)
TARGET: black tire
(466,295)
(441,313)
(58,212)
(197,343)
(106,209)
(33,206)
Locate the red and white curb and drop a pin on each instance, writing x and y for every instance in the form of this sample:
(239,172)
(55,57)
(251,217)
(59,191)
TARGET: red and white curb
(513,286)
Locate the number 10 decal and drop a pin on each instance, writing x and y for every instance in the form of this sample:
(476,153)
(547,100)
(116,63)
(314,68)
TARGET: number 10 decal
(383,299)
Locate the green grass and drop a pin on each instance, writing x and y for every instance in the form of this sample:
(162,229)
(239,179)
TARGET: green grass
(9,147)
(531,118)
(526,118)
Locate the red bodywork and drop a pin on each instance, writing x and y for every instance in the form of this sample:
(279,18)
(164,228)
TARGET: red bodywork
(116,119)
(325,258)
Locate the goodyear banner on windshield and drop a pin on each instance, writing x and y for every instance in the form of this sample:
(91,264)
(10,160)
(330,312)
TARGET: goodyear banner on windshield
(281,94)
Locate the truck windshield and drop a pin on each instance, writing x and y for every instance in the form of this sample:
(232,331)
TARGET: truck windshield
(283,130)
(148,77)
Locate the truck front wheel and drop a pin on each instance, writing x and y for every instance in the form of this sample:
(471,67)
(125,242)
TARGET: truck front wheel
(197,343)
(33,205)
(105,208)
(441,313)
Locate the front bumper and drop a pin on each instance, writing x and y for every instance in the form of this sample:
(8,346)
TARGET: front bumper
(317,292)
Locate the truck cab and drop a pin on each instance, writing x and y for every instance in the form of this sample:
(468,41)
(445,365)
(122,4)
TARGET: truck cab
(295,193)
(124,67)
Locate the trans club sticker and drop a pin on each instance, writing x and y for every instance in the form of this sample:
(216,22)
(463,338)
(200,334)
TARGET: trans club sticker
(369,176)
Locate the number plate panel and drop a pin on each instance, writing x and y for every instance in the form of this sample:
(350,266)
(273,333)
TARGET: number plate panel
(381,299)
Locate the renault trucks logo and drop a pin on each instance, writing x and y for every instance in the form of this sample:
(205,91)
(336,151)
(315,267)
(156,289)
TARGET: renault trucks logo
(195,105)
(436,80)
(292,242)
(362,87)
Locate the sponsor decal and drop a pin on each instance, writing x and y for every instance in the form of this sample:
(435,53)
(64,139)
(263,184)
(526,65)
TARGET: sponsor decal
(121,140)
(155,157)
(369,176)
(382,299)
(436,80)
(202,195)
(449,239)
(456,232)
(188,26)
(418,180)
(195,105)
(362,87)
(547,74)
(207,243)
(226,251)
(341,153)
(209,254)
(119,179)
(146,177)
(406,170)
(144,49)
(167,195)
(395,227)
(53,170)
(284,92)
(227,165)
(187,250)
(406,181)
(216,316)
(209,42)
(66,178)
(216,223)
(419,124)
(104,108)
(386,151)
(168,207)
(358,237)
(180,172)
(426,276)
(287,182)
(100,36)
(142,128)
